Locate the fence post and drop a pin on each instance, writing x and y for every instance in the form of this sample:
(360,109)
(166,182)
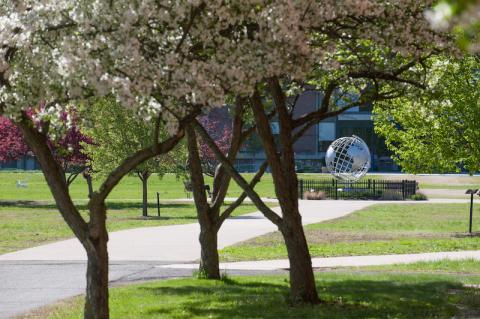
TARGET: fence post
(336,189)
(300,184)
(403,189)
(373,182)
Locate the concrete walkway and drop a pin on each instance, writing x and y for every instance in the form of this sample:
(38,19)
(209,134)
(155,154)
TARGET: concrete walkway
(347,261)
(179,243)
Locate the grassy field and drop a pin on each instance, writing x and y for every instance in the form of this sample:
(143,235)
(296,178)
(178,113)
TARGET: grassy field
(378,229)
(346,295)
(24,225)
(463,268)
(170,187)
(129,189)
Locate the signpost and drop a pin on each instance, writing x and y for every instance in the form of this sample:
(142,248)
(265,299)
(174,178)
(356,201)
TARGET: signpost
(471,192)
(158,203)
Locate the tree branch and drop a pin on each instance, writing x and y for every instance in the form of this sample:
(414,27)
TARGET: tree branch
(196,178)
(194,12)
(130,163)
(323,108)
(320,117)
(156,133)
(229,210)
(71,178)
(265,133)
(222,180)
(55,177)
(270,214)
(374,74)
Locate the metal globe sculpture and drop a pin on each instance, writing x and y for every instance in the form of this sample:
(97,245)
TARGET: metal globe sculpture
(348,158)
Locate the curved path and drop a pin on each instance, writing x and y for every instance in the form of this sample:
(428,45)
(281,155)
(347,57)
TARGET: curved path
(41,275)
(180,242)
(344,261)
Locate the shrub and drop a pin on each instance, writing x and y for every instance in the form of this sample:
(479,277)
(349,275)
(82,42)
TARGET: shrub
(314,195)
(391,194)
(419,196)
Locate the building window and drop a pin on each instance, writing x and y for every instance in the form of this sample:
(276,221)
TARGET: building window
(275,127)
(245,165)
(326,131)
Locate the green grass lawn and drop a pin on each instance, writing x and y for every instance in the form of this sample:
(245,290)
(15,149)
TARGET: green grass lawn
(24,225)
(464,268)
(170,187)
(378,229)
(129,189)
(347,295)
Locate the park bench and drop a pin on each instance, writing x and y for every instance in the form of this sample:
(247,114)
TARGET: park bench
(188,188)
(22,183)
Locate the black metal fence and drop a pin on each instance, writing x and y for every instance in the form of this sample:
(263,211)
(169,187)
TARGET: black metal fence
(363,189)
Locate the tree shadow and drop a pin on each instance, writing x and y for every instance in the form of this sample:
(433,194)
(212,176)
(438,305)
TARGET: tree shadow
(117,205)
(343,299)
(111,205)
(467,235)
(28,204)
(153,218)
(246,217)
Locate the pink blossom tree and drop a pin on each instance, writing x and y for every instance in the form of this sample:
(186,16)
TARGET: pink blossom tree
(221,132)
(67,148)
(12,145)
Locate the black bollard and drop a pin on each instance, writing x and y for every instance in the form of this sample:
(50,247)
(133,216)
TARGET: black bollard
(471,192)
(158,204)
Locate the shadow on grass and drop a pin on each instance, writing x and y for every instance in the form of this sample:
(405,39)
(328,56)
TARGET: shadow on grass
(467,235)
(111,205)
(343,299)
(246,217)
(152,217)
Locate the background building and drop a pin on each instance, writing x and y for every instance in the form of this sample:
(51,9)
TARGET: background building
(310,149)
(23,163)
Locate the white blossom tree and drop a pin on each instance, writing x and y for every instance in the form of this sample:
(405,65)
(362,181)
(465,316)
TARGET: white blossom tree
(356,52)
(169,59)
(62,51)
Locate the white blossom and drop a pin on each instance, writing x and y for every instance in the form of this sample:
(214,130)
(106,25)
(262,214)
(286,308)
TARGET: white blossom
(165,56)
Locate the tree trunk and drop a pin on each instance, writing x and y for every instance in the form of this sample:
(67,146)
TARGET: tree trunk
(302,280)
(145,196)
(96,301)
(144,178)
(209,260)
(206,216)
(88,178)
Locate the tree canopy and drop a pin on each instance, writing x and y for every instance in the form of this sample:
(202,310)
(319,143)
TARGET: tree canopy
(436,130)
(117,132)
(66,145)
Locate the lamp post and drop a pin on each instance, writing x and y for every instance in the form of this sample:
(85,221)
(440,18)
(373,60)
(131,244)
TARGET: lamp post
(471,192)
